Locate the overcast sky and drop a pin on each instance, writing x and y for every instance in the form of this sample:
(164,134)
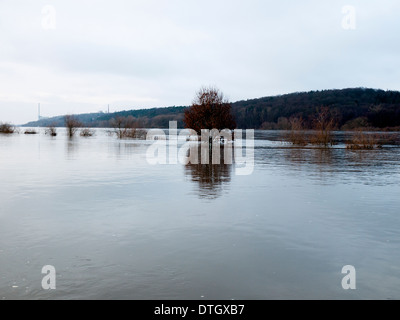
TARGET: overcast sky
(80,56)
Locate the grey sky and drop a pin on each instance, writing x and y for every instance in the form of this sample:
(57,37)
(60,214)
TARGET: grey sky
(154,53)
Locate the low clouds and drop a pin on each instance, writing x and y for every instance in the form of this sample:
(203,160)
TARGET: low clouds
(132,54)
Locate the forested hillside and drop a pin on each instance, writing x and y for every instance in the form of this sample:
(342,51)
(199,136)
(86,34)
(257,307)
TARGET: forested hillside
(351,108)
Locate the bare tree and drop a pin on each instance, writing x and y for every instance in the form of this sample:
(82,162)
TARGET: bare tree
(297,135)
(126,127)
(118,124)
(324,123)
(72,124)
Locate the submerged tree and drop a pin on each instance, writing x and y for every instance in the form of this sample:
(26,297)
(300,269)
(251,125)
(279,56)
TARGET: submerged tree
(209,110)
(296,135)
(72,124)
(127,127)
(324,124)
(51,130)
(6,128)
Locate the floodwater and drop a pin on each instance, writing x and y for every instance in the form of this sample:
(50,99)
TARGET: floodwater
(116,227)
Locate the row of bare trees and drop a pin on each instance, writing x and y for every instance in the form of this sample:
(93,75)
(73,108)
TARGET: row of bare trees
(127,127)
(323,125)
(72,124)
(124,127)
(321,134)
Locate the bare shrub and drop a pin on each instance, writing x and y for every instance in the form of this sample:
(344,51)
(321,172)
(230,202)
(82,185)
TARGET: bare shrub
(87,133)
(135,133)
(127,128)
(72,124)
(367,141)
(30,131)
(51,131)
(7,128)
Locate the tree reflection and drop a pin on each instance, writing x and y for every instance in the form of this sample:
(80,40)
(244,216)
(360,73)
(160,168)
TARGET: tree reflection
(212,179)
(326,165)
(71,149)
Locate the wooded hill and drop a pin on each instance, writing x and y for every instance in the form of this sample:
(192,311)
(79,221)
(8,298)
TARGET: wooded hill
(351,108)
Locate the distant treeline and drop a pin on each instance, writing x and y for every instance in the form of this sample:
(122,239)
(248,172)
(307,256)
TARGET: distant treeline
(144,118)
(351,109)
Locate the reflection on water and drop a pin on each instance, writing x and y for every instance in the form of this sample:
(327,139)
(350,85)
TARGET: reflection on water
(71,148)
(125,149)
(211,179)
(332,165)
(315,157)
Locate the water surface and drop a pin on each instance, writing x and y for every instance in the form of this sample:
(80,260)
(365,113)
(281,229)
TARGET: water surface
(116,227)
